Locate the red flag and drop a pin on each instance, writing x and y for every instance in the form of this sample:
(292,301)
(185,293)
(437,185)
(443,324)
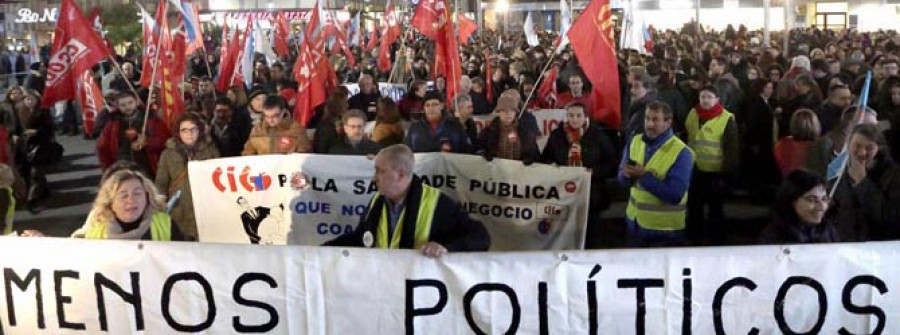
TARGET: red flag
(429,17)
(488,77)
(591,37)
(467,27)
(547,91)
(228,63)
(446,60)
(340,46)
(91,99)
(389,34)
(75,50)
(152,37)
(172,68)
(97,22)
(373,40)
(316,23)
(282,35)
(311,73)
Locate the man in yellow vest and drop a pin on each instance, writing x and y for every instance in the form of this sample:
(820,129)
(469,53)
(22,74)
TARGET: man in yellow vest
(713,136)
(408,214)
(657,166)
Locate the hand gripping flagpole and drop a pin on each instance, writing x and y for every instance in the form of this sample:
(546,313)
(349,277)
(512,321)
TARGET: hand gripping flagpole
(534,88)
(402,47)
(860,112)
(118,67)
(149,101)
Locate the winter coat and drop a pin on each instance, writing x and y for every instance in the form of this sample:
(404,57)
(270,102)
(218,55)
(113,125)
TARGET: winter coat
(364,147)
(108,142)
(287,137)
(489,141)
(171,177)
(597,154)
(869,210)
(782,232)
(421,138)
(387,134)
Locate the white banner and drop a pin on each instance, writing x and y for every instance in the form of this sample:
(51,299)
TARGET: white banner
(306,199)
(393,91)
(56,286)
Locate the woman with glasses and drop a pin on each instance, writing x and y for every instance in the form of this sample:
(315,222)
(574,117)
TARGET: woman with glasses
(868,195)
(799,212)
(191,142)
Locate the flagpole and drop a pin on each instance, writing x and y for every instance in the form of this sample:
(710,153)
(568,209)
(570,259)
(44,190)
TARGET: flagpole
(861,108)
(208,68)
(152,80)
(534,88)
(402,49)
(127,81)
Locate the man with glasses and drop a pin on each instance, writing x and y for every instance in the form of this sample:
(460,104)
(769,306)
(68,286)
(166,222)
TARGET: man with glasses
(354,141)
(276,133)
(228,130)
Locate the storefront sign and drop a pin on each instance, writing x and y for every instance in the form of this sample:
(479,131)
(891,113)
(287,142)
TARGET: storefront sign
(26,15)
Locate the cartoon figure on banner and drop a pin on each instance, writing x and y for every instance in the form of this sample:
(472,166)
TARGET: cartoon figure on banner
(253,217)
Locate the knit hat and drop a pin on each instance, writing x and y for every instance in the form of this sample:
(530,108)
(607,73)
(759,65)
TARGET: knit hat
(506,103)
(256,91)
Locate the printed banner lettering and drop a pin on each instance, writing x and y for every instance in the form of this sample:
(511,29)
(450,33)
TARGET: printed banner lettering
(306,199)
(122,287)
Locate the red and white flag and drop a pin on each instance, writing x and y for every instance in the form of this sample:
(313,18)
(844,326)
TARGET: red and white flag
(154,31)
(75,50)
(282,33)
(314,77)
(390,31)
(91,99)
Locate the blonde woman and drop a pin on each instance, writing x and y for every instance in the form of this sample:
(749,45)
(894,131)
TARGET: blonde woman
(128,207)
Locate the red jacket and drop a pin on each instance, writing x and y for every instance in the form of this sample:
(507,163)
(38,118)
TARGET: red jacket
(108,142)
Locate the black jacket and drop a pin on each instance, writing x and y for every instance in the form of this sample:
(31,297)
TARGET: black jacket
(489,141)
(451,227)
(870,210)
(782,232)
(364,147)
(597,154)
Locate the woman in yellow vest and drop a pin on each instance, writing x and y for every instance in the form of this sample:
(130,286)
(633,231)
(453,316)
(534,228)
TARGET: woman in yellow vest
(128,207)
(714,138)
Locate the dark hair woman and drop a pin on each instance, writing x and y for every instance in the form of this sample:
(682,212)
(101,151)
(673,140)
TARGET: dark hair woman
(799,212)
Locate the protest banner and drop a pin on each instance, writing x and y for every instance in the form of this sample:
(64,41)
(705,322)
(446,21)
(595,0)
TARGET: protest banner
(59,286)
(393,91)
(306,199)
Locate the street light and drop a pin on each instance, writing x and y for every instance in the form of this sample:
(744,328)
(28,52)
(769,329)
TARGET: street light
(502,7)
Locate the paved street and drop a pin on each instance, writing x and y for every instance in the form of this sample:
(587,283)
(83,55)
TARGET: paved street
(73,183)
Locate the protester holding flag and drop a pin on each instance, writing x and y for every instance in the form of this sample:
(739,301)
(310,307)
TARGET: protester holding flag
(411,106)
(191,142)
(128,138)
(827,147)
(868,193)
(507,136)
(276,133)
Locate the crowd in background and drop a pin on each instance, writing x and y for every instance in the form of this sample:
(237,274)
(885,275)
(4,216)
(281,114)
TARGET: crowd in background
(787,116)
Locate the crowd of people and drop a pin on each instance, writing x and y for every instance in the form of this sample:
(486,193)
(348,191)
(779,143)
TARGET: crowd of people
(705,115)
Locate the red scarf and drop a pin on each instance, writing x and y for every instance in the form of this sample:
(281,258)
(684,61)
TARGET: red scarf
(708,114)
(574,137)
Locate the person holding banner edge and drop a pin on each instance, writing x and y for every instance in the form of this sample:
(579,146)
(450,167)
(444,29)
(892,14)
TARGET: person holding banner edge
(408,214)
(657,166)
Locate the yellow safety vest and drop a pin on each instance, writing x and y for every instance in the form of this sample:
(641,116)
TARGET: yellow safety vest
(645,208)
(10,212)
(160,229)
(706,141)
(427,204)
